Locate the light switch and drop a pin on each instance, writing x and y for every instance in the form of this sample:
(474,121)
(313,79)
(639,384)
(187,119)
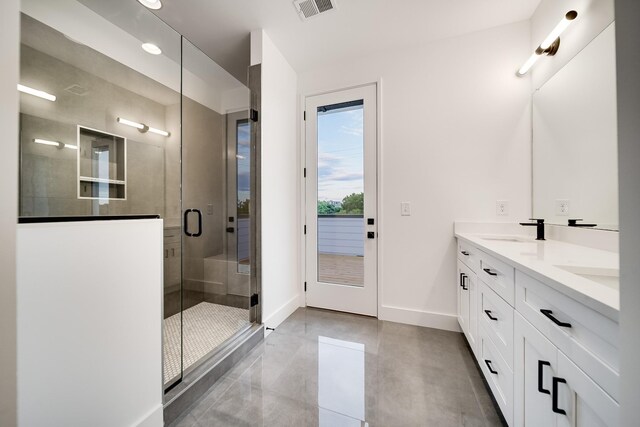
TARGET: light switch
(405,208)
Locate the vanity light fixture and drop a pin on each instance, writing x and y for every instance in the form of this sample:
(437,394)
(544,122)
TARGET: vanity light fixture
(151,48)
(142,127)
(54,143)
(551,43)
(36,92)
(151,4)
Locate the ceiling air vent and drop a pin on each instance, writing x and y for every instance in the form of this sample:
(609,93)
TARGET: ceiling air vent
(310,8)
(77,90)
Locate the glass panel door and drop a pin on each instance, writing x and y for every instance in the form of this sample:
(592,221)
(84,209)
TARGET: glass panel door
(341,188)
(215,291)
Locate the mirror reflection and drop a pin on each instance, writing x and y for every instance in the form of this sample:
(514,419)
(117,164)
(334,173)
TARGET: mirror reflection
(575,163)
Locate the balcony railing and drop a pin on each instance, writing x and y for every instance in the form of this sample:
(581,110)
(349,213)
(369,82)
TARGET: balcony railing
(341,234)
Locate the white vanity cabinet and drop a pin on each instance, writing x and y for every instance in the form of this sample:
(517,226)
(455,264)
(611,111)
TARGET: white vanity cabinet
(549,359)
(550,390)
(468,303)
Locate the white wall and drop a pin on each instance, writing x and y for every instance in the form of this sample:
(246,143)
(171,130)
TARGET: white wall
(280,187)
(9,42)
(455,138)
(89,323)
(593,17)
(628,55)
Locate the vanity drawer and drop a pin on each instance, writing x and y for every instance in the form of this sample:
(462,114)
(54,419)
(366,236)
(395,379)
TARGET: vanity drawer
(470,255)
(498,374)
(497,318)
(499,276)
(587,337)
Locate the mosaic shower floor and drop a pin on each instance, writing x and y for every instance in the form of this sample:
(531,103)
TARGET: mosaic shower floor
(205,327)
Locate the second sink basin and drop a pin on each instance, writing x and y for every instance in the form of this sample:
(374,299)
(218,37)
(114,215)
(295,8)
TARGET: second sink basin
(609,277)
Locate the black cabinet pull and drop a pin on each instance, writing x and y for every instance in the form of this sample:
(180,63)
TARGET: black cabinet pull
(489,315)
(465,253)
(488,363)
(554,399)
(489,272)
(462,280)
(549,315)
(541,365)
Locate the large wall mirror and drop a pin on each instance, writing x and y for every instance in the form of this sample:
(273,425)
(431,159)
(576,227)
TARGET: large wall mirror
(575,141)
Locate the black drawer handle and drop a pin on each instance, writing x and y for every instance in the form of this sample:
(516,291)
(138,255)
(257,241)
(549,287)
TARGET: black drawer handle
(554,403)
(541,365)
(489,272)
(549,315)
(489,315)
(464,282)
(488,363)
(465,253)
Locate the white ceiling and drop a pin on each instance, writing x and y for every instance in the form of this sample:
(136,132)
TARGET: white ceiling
(357,28)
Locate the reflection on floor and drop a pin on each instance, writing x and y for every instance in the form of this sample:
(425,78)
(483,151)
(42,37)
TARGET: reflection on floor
(341,269)
(205,327)
(334,369)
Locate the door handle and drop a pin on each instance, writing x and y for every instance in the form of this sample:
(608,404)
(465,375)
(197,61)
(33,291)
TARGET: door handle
(554,400)
(541,365)
(186,222)
(549,315)
(199,233)
(488,313)
(371,234)
(230,230)
(488,363)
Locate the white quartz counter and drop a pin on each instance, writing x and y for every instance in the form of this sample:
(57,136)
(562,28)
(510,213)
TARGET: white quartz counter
(548,262)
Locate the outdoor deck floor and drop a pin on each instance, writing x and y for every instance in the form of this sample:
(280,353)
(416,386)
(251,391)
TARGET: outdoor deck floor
(341,269)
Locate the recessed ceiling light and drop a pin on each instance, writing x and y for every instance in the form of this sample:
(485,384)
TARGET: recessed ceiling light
(151,48)
(151,4)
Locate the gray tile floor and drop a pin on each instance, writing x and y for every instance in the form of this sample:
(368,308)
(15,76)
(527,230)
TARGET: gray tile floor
(322,368)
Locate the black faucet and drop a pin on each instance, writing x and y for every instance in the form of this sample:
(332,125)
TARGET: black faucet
(540,227)
(574,223)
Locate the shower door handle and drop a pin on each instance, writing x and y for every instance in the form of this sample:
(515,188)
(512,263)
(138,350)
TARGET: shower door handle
(199,233)
(186,223)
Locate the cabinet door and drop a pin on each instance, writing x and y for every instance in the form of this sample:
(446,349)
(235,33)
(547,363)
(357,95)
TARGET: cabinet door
(535,365)
(583,402)
(463,297)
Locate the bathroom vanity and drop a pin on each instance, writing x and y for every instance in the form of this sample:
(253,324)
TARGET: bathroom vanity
(541,318)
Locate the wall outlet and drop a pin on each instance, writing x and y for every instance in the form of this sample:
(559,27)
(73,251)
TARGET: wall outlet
(405,208)
(562,207)
(502,207)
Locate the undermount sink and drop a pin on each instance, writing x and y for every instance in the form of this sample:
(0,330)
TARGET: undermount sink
(609,277)
(503,239)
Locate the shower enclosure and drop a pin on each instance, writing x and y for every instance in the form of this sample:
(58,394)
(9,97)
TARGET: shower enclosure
(120,115)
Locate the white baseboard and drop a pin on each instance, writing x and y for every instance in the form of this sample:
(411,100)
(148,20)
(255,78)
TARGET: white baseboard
(282,313)
(154,419)
(447,322)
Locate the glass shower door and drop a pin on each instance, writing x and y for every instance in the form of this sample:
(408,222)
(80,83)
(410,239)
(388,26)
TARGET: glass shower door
(215,283)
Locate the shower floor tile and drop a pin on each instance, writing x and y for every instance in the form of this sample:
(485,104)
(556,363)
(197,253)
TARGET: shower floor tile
(205,327)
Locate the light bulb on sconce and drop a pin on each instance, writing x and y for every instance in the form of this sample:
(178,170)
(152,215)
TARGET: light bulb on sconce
(550,44)
(142,127)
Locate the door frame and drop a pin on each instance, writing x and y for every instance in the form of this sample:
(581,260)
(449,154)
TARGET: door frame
(379,190)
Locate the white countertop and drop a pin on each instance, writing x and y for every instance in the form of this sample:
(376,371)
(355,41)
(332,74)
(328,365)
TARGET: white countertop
(539,259)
